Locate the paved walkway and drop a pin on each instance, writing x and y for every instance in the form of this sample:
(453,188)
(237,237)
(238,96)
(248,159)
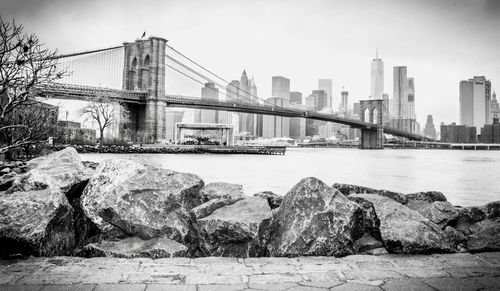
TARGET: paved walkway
(389,272)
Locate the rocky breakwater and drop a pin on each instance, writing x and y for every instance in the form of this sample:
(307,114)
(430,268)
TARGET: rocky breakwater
(61,206)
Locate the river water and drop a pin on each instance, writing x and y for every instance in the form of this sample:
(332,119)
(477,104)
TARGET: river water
(467,178)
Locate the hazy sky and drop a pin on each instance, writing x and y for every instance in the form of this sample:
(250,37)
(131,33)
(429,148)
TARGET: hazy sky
(440,41)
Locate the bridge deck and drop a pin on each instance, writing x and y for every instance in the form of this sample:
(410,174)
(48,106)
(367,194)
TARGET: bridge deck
(78,92)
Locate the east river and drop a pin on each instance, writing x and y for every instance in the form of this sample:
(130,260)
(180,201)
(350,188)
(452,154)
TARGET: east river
(467,178)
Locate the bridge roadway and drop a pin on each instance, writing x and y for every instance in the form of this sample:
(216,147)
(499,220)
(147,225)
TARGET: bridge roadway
(79,92)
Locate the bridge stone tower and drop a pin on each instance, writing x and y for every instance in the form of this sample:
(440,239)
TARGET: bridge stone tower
(144,70)
(372,112)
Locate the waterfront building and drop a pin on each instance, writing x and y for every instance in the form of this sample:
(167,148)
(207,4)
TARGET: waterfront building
(454,133)
(474,101)
(276,126)
(295,98)
(490,133)
(71,131)
(326,85)
(377,78)
(172,118)
(209,92)
(494,107)
(430,130)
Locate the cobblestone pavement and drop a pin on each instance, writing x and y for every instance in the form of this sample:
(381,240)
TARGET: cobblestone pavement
(389,272)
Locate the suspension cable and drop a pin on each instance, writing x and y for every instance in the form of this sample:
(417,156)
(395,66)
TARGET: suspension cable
(196,63)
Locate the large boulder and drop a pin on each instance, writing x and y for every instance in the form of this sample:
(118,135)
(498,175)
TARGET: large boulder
(348,189)
(429,196)
(315,220)
(404,230)
(439,212)
(36,222)
(468,216)
(36,217)
(145,201)
(62,169)
(273,199)
(485,236)
(217,195)
(233,230)
(134,247)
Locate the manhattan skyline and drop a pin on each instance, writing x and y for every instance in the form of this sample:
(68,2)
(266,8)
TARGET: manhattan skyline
(440,43)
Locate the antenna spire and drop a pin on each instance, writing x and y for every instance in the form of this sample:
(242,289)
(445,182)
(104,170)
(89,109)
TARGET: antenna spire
(377,53)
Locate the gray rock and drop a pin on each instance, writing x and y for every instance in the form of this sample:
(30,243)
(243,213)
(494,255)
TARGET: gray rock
(210,206)
(36,222)
(467,216)
(7,180)
(273,199)
(371,223)
(141,200)
(223,190)
(234,230)
(134,247)
(429,196)
(492,209)
(485,236)
(5,171)
(348,189)
(404,230)
(315,220)
(215,196)
(439,212)
(62,169)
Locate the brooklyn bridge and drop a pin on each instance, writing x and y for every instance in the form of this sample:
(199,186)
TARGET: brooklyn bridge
(143,91)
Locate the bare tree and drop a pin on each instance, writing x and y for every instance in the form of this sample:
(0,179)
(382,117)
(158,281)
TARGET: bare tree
(25,67)
(102,111)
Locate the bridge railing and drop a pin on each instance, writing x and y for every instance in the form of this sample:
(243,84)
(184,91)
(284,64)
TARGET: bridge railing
(70,91)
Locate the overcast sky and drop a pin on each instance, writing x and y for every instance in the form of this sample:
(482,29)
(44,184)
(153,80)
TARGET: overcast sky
(440,41)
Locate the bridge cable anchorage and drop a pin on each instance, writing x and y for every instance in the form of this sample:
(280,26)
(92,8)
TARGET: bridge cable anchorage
(217,76)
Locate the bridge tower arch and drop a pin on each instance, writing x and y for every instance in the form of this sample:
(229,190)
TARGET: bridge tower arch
(144,70)
(372,137)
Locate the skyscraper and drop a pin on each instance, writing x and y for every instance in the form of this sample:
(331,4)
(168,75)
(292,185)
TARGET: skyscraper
(321,99)
(494,107)
(377,81)
(475,97)
(411,99)
(430,130)
(344,103)
(244,90)
(276,126)
(281,88)
(400,93)
(326,85)
(295,98)
(209,92)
